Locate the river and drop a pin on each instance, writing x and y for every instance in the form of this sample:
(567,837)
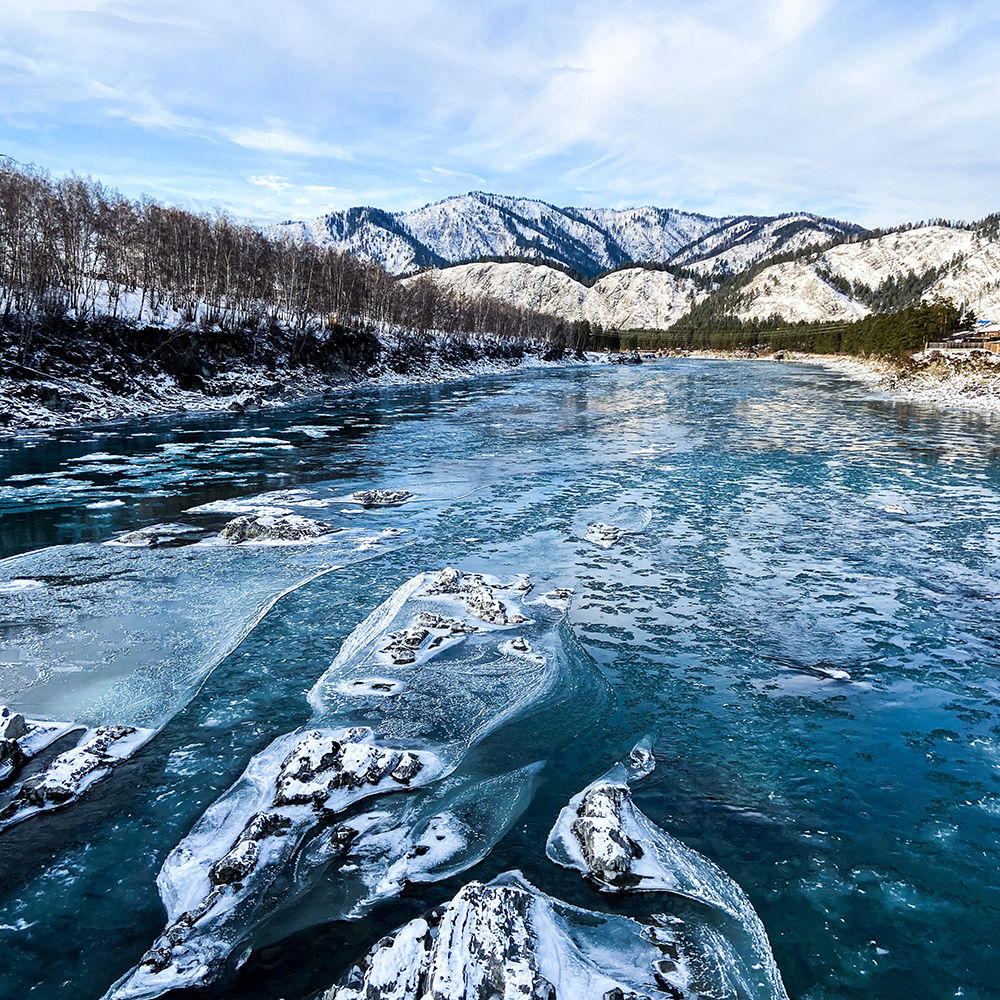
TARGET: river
(801,613)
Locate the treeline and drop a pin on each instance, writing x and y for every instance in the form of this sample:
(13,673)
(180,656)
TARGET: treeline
(893,334)
(73,249)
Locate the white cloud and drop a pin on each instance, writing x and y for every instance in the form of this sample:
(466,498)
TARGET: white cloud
(876,108)
(271,181)
(283,142)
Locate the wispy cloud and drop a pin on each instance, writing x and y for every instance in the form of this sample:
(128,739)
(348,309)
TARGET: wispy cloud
(284,142)
(877,109)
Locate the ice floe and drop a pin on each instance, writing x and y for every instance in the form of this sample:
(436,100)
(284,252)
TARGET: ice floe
(603,835)
(507,940)
(286,845)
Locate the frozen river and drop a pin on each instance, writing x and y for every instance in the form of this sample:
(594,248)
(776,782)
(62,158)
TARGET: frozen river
(797,603)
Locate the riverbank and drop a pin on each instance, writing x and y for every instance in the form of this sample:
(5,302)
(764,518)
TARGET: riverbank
(114,388)
(970,380)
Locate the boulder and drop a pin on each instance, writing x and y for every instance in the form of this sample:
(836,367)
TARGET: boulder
(274,528)
(382,498)
(12,724)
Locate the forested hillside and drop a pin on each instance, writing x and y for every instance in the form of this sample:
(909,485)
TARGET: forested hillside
(71,249)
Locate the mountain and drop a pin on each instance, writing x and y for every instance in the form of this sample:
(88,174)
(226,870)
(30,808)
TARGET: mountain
(588,240)
(629,299)
(889,272)
(841,283)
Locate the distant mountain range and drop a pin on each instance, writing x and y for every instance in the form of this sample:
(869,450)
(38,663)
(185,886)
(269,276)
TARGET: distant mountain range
(589,241)
(798,267)
(840,283)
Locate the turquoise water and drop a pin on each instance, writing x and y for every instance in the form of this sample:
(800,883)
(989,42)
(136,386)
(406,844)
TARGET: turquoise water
(861,816)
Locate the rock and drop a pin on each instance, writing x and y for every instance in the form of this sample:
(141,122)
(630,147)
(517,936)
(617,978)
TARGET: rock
(610,855)
(12,724)
(11,755)
(236,407)
(274,528)
(73,772)
(382,498)
(446,582)
(159,536)
(508,941)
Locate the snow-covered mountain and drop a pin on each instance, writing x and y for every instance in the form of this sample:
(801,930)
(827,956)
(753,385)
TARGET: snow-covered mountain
(631,299)
(839,284)
(843,283)
(588,240)
(737,244)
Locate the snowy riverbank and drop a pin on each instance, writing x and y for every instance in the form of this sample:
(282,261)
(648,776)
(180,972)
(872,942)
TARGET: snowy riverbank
(31,399)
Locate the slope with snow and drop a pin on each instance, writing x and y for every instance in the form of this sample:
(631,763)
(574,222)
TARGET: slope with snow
(589,240)
(738,244)
(960,265)
(630,299)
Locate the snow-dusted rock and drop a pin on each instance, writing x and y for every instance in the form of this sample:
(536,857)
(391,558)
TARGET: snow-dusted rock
(382,498)
(158,536)
(262,528)
(604,535)
(73,772)
(221,880)
(478,593)
(507,941)
(12,724)
(618,848)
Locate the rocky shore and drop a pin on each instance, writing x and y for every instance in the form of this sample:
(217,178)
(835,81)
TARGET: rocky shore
(32,399)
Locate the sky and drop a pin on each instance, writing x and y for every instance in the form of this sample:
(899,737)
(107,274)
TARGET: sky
(875,111)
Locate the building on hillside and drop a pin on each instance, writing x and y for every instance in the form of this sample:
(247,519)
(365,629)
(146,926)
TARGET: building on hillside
(984,336)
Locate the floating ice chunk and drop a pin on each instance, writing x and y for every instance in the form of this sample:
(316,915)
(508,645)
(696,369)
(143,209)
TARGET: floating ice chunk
(895,508)
(228,874)
(621,519)
(274,502)
(310,430)
(73,772)
(381,498)
(558,598)
(17,585)
(604,535)
(507,940)
(103,504)
(450,829)
(274,528)
(619,849)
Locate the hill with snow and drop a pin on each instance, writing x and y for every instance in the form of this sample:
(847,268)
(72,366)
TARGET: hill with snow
(588,240)
(629,299)
(842,283)
(850,281)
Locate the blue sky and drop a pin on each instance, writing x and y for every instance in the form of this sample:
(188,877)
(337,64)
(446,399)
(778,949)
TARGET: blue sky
(878,111)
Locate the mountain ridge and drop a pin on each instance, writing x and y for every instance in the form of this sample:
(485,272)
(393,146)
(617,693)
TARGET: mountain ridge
(480,224)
